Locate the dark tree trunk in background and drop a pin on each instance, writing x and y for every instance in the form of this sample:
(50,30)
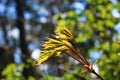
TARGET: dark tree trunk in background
(23,45)
(20,24)
(4,21)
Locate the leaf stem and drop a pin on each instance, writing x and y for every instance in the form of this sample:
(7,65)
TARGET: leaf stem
(81,51)
(77,54)
(97,75)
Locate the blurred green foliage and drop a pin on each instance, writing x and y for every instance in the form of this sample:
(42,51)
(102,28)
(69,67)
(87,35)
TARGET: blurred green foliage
(99,25)
(12,72)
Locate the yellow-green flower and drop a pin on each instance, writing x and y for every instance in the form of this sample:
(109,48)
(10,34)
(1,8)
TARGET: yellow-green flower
(50,49)
(55,46)
(44,56)
(61,45)
(63,33)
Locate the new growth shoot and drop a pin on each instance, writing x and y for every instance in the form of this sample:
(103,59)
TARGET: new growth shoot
(60,43)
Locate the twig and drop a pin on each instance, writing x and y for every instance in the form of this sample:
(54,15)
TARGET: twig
(97,75)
